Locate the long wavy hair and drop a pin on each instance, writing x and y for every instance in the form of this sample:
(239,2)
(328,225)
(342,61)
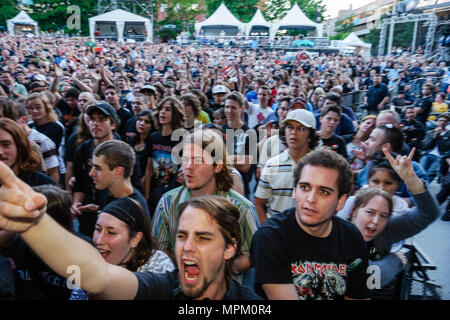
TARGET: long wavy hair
(223,212)
(177,112)
(27,159)
(49,111)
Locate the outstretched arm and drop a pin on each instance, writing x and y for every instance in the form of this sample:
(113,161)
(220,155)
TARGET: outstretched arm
(22,210)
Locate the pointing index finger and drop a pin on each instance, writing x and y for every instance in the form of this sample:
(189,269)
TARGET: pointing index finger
(7,176)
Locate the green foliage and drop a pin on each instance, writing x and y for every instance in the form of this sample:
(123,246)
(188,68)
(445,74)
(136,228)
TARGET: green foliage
(276,9)
(52,14)
(182,14)
(403,34)
(8,10)
(343,28)
(242,10)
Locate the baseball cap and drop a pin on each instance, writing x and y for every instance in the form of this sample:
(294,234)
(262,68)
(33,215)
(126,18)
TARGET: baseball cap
(219,89)
(169,84)
(303,117)
(298,103)
(40,77)
(105,108)
(148,87)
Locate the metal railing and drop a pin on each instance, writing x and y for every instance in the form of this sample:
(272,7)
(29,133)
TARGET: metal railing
(414,282)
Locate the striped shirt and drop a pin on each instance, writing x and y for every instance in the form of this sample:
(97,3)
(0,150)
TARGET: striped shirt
(165,219)
(276,183)
(47,147)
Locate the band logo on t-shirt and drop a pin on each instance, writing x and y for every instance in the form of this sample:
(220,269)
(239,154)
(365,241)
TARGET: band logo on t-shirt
(319,281)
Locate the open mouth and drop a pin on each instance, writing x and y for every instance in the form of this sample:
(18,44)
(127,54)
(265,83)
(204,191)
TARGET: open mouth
(104,253)
(371,231)
(191,272)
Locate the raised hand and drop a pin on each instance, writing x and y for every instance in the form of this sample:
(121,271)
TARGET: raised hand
(20,205)
(402,164)
(404,168)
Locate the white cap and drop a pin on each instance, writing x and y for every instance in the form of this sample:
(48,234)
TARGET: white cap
(303,117)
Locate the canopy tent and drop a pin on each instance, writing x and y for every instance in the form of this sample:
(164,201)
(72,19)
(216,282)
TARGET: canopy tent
(22,23)
(296,19)
(352,41)
(258,24)
(221,20)
(116,22)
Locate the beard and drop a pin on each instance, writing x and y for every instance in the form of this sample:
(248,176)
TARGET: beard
(193,291)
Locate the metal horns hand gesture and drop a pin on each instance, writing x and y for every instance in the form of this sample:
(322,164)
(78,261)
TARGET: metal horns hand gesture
(402,164)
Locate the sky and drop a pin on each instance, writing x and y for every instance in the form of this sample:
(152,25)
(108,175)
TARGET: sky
(333,6)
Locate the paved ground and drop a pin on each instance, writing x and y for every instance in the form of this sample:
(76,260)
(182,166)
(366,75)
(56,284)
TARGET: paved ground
(435,242)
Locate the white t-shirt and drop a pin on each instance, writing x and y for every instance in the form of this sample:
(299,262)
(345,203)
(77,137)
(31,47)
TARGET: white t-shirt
(256,114)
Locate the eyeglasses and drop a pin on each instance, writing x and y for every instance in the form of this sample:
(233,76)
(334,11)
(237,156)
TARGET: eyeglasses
(299,128)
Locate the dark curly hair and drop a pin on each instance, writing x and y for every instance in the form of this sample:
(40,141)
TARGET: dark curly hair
(331,160)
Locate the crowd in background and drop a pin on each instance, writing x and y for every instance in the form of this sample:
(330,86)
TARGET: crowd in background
(66,98)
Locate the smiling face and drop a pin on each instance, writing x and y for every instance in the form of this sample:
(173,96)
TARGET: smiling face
(372,218)
(111,238)
(36,108)
(200,252)
(316,198)
(232,110)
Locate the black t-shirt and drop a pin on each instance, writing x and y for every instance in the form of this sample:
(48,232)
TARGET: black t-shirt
(241,146)
(84,184)
(425,104)
(376,94)
(319,268)
(70,147)
(53,130)
(34,179)
(165,286)
(136,195)
(34,279)
(142,155)
(124,115)
(337,144)
(165,170)
(68,114)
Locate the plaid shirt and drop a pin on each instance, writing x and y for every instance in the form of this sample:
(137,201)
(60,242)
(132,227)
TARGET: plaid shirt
(165,219)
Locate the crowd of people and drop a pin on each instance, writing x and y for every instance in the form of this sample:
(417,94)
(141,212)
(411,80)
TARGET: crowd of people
(192,172)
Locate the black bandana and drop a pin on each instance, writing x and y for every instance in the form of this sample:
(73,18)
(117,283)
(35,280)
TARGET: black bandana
(128,211)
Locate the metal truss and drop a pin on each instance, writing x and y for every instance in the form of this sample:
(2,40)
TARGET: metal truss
(431,21)
(140,7)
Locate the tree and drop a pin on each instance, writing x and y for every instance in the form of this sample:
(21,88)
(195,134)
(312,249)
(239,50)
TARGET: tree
(276,9)
(8,10)
(52,14)
(243,9)
(183,14)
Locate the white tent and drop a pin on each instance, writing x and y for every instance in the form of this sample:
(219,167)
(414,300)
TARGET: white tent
(354,42)
(20,22)
(295,18)
(115,22)
(258,23)
(221,19)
